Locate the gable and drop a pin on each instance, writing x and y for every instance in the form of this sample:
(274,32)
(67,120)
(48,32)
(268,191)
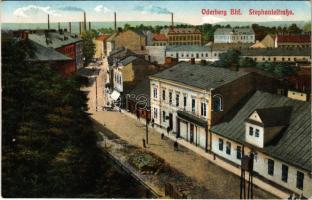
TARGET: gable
(255,117)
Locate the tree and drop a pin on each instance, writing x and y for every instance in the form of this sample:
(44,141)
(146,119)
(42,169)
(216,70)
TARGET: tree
(307,27)
(293,28)
(88,47)
(229,59)
(127,26)
(247,62)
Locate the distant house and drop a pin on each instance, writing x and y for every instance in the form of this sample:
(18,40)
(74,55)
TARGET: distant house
(277,131)
(293,41)
(63,42)
(234,35)
(182,36)
(160,39)
(100,46)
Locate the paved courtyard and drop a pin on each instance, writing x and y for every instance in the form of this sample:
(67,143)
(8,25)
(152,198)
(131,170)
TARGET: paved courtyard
(219,182)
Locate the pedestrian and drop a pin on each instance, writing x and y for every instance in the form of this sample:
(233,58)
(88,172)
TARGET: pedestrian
(168,129)
(144,145)
(175,145)
(162,136)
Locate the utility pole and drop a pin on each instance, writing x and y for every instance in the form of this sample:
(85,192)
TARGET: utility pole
(96,104)
(146,129)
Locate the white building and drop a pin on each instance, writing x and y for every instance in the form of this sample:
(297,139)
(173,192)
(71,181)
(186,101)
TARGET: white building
(277,130)
(234,35)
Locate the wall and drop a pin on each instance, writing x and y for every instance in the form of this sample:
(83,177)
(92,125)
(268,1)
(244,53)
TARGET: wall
(252,139)
(130,40)
(156,53)
(297,95)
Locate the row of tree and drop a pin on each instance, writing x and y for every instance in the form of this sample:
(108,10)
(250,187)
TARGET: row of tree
(231,59)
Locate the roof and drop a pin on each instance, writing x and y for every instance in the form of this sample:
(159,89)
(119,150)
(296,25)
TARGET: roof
(294,144)
(276,52)
(199,76)
(188,48)
(54,39)
(102,37)
(44,54)
(159,37)
(127,60)
(226,46)
(234,31)
(294,38)
(274,116)
(190,30)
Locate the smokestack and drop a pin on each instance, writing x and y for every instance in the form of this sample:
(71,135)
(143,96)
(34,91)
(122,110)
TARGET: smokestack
(48,22)
(115,22)
(80,31)
(59,26)
(89,26)
(172,20)
(69,27)
(84,22)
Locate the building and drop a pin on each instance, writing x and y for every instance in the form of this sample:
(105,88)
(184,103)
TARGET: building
(160,39)
(63,42)
(187,99)
(234,35)
(182,36)
(156,54)
(277,131)
(100,46)
(267,42)
(294,55)
(293,41)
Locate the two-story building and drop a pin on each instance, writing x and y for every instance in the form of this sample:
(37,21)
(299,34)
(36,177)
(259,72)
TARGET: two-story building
(234,35)
(182,36)
(277,130)
(187,99)
(160,39)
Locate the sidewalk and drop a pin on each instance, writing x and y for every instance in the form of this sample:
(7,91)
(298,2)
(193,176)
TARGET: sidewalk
(221,183)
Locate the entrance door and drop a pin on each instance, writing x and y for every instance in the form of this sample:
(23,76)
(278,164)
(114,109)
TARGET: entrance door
(183,130)
(191,133)
(170,121)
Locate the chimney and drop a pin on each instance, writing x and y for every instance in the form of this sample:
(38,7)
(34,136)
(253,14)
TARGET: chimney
(89,26)
(172,20)
(59,26)
(84,22)
(80,31)
(48,22)
(69,27)
(115,23)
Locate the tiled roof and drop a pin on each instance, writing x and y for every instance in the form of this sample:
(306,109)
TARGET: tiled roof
(54,39)
(199,76)
(294,38)
(274,116)
(159,37)
(276,52)
(127,60)
(102,37)
(183,30)
(226,46)
(45,54)
(294,144)
(188,48)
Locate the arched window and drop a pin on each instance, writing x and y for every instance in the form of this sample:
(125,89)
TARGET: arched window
(217,103)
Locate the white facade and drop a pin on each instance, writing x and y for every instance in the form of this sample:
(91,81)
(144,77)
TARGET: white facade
(235,35)
(169,98)
(118,79)
(207,55)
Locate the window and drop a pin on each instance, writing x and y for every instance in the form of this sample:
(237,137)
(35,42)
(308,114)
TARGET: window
(164,95)
(228,148)
(239,152)
(170,98)
(184,101)
(164,116)
(220,144)
(193,105)
(177,100)
(270,167)
(155,113)
(300,177)
(217,103)
(284,173)
(250,131)
(257,132)
(203,110)
(155,93)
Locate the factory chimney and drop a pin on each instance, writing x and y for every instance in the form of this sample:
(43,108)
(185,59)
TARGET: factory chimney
(89,26)
(80,31)
(115,22)
(172,20)
(69,27)
(48,22)
(84,22)
(59,26)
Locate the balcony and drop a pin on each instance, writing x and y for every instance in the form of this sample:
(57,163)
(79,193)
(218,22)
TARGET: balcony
(191,117)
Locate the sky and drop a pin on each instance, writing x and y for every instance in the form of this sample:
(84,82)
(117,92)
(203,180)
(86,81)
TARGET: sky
(184,11)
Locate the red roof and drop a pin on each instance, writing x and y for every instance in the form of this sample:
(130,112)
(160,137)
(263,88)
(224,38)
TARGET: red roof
(160,37)
(102,37)
(294,38)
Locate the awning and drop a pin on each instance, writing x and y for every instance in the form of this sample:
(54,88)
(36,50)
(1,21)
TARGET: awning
(115,95)
(192,118)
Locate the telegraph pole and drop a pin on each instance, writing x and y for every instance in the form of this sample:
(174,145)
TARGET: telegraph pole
(146,129)
(96,94)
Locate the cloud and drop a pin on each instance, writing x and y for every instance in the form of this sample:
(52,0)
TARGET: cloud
(101,8)
(152,9)
(275,17)
(72,8)
(212,19)
(32,9)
